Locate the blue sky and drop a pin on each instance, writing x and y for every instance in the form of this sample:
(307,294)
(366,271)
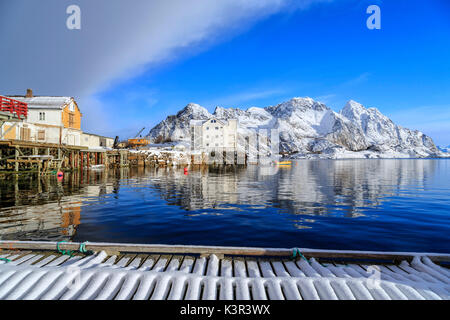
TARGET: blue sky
(320,49)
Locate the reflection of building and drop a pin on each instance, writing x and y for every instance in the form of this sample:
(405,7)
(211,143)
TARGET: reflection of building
(41,222)
(214,134)
(24,217)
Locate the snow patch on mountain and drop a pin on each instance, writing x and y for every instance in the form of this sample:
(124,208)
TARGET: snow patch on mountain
(310,129)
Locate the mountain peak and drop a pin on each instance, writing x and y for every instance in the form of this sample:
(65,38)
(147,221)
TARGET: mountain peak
(195,111)
(353,110)
(296,104)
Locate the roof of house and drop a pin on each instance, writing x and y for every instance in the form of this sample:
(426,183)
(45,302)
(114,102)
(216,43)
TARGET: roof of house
(43,102)
(201,122)
(97,135)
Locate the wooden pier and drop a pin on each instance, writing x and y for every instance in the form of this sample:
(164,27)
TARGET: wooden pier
(18,155)
(36,270)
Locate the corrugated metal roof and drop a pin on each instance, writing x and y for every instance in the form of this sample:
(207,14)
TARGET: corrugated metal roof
(43,102)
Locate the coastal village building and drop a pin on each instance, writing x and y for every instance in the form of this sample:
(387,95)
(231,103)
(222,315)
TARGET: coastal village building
(214,134)
(44,133)
(55,120)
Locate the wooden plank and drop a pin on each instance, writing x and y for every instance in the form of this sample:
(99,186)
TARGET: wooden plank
(226,268)
(240,269)
(175,263)
(161,263)
(205,250)
(253,269)
(188,264)
(23,161)
(149,262)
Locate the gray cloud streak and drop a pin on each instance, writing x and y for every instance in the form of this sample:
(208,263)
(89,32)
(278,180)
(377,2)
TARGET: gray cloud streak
(118,39)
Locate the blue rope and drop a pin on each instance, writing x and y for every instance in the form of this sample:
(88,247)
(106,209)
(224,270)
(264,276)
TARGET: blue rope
(82,249)
(64,252)
(4,259)
(295,252)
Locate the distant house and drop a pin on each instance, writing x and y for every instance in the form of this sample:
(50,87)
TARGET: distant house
(55,120)
(214,134)
(93,141)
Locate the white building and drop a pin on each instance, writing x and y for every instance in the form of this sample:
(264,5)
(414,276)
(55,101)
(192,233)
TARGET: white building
(214,134)
(55,120)
(93,141)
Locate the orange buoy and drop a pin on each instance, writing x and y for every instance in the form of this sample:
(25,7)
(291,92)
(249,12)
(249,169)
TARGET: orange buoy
(60,174)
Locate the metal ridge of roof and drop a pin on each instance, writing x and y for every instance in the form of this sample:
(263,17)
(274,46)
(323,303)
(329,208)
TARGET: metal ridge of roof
(43,101)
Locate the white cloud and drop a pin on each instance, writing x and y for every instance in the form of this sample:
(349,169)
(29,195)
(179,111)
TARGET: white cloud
(118,40)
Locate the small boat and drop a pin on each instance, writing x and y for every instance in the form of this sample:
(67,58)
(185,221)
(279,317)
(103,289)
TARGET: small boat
(97,167)
(284,163)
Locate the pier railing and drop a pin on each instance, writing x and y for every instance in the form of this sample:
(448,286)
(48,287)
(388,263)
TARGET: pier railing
(19,108)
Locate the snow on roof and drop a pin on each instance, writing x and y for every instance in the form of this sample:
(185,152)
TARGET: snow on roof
(44,102)
(201,122)
(197,122)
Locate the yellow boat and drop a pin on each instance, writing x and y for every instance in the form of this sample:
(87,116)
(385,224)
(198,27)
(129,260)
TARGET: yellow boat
(284,163)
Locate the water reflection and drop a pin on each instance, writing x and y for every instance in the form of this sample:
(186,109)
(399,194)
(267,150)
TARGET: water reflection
(164,205)
(307,187)
(45,208)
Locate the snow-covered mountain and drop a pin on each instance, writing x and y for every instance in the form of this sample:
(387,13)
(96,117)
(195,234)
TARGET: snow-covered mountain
(176,128)
(310,129)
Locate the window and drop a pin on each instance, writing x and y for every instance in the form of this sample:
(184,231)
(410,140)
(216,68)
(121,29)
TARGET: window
(41,116)
(207,128)
(217,128)
(41,135)
(71,120)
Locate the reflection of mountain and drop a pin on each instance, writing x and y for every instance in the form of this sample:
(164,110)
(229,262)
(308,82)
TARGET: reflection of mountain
(44,209)
(308,187)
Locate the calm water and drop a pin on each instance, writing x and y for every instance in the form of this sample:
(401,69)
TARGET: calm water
(401,205)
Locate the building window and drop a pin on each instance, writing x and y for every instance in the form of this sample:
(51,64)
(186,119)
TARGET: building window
(217,128)
(41,135)
(207,128)
(71,120)
(41,116)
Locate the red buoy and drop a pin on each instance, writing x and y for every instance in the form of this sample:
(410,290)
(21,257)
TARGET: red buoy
(185,170)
